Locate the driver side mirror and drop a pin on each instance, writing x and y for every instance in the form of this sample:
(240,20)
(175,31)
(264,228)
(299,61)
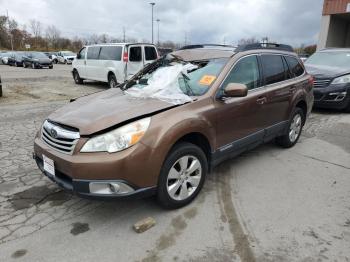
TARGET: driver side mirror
(78,56)
(235,90)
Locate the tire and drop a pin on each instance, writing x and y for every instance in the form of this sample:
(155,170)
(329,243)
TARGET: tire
(24,65)
(180,189)
(16,64)
(65,61)
(295,126)
(33,66)
(55,61)
(77,78)
(51,67)
(112,81)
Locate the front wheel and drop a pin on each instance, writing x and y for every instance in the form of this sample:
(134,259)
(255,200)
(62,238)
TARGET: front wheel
(182,176)
(77,78)
(295,127)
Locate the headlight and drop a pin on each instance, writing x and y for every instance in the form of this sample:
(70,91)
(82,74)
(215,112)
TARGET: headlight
(118,139)
(341,80)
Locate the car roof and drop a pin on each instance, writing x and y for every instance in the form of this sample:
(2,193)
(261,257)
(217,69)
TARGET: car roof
(205,52)
(335,49)
(197,54)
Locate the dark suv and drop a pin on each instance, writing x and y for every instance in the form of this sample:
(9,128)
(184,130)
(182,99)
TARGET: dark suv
(331,70)
(176,119)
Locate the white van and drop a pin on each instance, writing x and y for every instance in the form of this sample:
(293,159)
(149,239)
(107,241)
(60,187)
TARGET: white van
(112,63)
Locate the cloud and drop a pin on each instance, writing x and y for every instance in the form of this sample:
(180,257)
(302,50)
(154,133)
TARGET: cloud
(202,21)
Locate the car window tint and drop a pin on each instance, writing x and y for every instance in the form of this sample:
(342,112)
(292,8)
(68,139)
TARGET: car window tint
(111,53)
(150,53)
(135,54)
(246,71)
(82,53)
(93,52)
(273,69)
(294,65)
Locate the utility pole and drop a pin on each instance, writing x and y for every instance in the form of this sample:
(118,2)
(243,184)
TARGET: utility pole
(123,34)
(158,20)
(152,5)
(8,22)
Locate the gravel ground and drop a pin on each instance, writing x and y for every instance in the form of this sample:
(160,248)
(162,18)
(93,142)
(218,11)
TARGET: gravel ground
(269,204)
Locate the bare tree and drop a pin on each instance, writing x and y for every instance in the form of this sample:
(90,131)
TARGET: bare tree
(35,26)
(245,41)
(53,35)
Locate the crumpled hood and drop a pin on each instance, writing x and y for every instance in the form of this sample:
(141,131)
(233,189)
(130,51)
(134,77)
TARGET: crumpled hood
(99,111)
(325,71)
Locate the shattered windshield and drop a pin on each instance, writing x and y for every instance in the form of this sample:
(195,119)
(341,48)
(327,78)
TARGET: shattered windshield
(176,81)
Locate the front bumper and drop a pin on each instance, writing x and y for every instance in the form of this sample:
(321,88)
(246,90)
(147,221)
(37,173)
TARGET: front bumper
(332,96)
(81,187)
(137,167)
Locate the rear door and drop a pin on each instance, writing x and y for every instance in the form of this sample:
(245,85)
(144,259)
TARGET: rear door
(279,90)
(92,62)
(135,60)
(150,54)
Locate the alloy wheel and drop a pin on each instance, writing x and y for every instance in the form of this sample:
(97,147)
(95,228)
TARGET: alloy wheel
(184,177)
(295,128)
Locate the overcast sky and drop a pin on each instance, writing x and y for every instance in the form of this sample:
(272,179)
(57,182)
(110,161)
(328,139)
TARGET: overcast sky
(203,21)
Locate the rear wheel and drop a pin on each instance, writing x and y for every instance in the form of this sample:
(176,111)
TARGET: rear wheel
(112,81)
(77,78)
(295,127)
(182,175)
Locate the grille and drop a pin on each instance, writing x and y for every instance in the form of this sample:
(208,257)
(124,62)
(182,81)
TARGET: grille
(321,83)
(59,138)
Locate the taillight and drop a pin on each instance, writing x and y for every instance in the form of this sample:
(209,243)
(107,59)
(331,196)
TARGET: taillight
(311,80)
(125,56)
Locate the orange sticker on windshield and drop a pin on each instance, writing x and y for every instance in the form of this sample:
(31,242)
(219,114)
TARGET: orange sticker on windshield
(207,80)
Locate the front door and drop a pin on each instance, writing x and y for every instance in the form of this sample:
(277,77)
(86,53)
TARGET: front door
(135,61)
(241,120)
(80,62)
(92,62)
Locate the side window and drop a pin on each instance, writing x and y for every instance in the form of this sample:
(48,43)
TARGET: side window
(82,53)
(135,54)
(273,69)
(246,71)
(294,65)
(93,52)
(111,53)
(150,53)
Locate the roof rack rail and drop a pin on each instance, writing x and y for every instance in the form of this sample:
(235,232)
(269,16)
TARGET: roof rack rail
(274,46)
(204,46)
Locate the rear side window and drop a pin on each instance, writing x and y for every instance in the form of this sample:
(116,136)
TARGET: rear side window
(93,52)
(135,54)
(273,69)
(111,53)
(294,66)
(150,53)
(246,71)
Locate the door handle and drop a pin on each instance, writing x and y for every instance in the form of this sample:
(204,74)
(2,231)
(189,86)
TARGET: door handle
(261,100)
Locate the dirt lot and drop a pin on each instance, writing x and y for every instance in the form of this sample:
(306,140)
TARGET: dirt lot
(269,204)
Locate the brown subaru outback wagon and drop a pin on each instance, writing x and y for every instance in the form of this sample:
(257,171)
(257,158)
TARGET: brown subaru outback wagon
(164,129)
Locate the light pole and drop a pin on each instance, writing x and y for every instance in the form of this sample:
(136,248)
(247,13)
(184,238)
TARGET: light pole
(152,4)
(158,20)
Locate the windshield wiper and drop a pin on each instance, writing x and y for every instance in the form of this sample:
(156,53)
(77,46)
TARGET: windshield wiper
(187,86)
